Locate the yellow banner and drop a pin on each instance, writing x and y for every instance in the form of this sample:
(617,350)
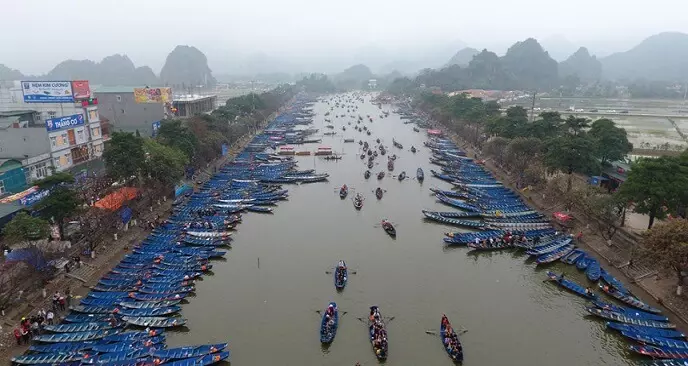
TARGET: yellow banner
(153,95)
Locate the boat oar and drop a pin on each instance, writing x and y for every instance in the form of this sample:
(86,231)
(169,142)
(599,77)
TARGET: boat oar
(431,332)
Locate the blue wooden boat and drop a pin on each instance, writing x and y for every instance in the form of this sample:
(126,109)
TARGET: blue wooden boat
(157,297)
(58,358)
(329,324)
(610,315)
(66,347)
(106,303)
(613,282)
(91,309)
(455,353)
(87,318)
(149,312)
(628,299)
(133,336)
(108,295)
(169,291)
(571,286)
(573,256)
(549,247)
(77,327)
(633,313)
(670,362)
(454,214)
(420,175)
(74,337)
(117,357)
(583,262)
(594,271)
(456,222)
(660,352)
(189,351)
(145,343)
(341,275)
(655,341)
(343,191)
(148,304)
(154,322)
(555,255)
(651,331)
(201,361)
(380,350)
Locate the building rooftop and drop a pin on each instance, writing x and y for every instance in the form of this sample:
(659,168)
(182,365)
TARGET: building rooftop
(191,97)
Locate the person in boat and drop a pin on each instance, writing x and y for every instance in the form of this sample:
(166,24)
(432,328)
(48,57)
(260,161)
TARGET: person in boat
(588,291)
(330,310)
(561,276)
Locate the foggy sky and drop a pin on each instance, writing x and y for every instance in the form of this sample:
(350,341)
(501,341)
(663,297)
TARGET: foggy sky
(37,34)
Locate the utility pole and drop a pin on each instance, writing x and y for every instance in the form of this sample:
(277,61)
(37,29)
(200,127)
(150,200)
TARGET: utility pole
(532,107)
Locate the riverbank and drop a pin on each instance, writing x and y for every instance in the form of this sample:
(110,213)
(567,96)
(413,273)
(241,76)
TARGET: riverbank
(108,254)
(642,281)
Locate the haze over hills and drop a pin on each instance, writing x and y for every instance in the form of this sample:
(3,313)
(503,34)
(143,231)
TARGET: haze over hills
(659,57)
(463,57)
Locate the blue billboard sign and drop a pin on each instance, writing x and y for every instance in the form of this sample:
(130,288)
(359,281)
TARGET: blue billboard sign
(155,126)
(47,91)
(58,123)
(225,149)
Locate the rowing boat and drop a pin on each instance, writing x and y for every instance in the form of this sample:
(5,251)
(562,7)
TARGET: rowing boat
(651,331)
(660,352)
(378,193)
(343,191)
(201,361)
(629,312)
(329,324)
(571,286)
(75,336)
(57,358)
(455,353)
(655,341)
(154,322)
(610,315)
(389,228)
(78,327)
(189,351)
(377,333)
(628,299)
(340,275)
(420,175)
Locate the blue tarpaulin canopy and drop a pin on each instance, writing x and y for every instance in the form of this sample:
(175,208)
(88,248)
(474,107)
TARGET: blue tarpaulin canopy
(32,256)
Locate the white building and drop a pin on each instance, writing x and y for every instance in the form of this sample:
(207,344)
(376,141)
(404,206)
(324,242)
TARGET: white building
(67,127)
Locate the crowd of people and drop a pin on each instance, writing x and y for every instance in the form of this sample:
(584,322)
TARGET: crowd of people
(507,240)
(329,320)
(378,333)
(33,325)
(451,340)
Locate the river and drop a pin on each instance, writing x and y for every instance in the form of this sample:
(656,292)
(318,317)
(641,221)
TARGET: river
(263,297)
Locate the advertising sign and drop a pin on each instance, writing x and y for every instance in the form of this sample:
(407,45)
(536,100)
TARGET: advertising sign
(154,127)
(18,196)
(47,91)
(153,95)
(34,197)
(225,150)
(54,124)
(81,89)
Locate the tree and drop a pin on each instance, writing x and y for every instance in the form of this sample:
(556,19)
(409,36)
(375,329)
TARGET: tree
(55,179)
(605,209)
(569,154)
(521,152)
(124,156)
(175,134)
(549,125)
(24,227)
(656,186)
(496,148)
(576,125)
(60,204)
(611,141)
(665,247)
(164,164)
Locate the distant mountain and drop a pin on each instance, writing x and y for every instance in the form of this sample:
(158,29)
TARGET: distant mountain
(186,66)
(659,57)
(8,74)
(353,77)
(463,57)
(581,64)
(112,70)
(531,65)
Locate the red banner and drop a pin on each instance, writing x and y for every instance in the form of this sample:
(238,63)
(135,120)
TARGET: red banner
(81,89)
